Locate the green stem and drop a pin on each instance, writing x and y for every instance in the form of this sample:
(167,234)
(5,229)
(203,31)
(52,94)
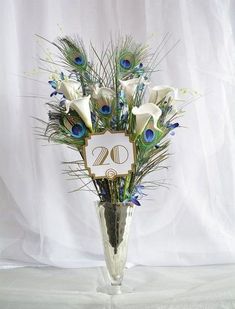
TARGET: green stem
(126,187)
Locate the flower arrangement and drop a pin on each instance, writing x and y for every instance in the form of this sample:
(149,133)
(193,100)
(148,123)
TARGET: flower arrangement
(112,92)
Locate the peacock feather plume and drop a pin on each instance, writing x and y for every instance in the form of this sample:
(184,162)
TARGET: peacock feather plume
(73,53)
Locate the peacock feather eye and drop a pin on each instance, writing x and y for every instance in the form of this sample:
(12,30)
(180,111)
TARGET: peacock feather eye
(75,126)
(149,135)
(104,106)
(79,60)
(106,109)
(127,61)
(78,130)
(73,52)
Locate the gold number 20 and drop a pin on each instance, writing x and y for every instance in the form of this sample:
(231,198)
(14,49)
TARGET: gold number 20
(114,154)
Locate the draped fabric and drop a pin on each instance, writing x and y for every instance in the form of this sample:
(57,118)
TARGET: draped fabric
(189,223)
(197,287)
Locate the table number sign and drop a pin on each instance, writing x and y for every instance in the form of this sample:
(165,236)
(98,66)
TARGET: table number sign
(109,154)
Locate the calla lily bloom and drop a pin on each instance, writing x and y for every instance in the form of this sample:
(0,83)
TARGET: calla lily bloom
(182,96)
(82,107)
(70,88)
(130,86)
(104,98)
(158,93)
(103,93)
(143,115)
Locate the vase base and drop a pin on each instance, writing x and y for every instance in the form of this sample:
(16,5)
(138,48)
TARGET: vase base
(114,289)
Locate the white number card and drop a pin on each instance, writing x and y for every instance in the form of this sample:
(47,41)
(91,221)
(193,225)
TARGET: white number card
(109,154)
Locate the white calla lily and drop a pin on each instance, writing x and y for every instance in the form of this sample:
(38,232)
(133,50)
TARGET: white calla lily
(103,93)
(129,86)
(143,115)
(70,88)
(182,96)
(82,107)
(157,93)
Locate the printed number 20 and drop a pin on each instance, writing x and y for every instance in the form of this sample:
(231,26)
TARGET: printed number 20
(115,154)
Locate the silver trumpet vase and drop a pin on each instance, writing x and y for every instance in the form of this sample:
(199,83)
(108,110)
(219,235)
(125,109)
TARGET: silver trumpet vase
(115,220)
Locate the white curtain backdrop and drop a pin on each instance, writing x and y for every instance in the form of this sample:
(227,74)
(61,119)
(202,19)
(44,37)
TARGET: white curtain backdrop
(190,223)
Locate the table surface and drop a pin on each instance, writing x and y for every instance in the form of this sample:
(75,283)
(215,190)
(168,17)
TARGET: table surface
(209,287)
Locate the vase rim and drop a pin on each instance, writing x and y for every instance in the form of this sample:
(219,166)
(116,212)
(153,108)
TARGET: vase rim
(120,204)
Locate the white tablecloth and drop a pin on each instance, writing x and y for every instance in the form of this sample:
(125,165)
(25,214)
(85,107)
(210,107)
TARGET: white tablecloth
(209,287)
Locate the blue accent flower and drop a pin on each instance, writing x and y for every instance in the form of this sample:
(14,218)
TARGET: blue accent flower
(124,117)
(134,200)
(172,125)
(53,83)
(139,69)
(121,96)
(149,135)
(113,123)
(53,93)
(140,87)
(78,130)
(106,110)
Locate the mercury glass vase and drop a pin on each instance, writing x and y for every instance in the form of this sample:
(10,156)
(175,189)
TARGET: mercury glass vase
(115,221)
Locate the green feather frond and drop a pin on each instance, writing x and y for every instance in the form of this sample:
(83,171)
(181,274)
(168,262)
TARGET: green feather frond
(55,131)
(134,52)
(58,137)
(152,185)
(83,177)
(151,161)
(160,54)
(107,64)
(58,133)
(103,66)
(74,56)
(73,52)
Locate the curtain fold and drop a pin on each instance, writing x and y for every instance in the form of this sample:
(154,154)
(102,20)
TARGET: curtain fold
(190,223)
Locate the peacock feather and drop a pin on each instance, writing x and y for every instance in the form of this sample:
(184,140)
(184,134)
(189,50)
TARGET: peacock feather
(130,58)
(75,126)
(73,52)
(150,136)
